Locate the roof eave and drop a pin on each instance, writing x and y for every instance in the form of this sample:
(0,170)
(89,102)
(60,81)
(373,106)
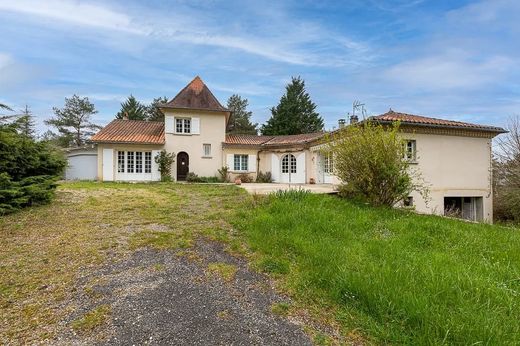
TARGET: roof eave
(497,130)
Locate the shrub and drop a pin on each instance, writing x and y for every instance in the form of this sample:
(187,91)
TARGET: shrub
(29,169)
(369,159)
(245,178)
(165,160)
(264,177)
(194,178)
(224,174)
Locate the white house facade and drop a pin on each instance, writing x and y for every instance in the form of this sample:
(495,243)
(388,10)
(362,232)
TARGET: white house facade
(454,158)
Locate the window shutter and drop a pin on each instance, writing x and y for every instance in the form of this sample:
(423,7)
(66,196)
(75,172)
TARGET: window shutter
(156,175)
(169,125)
(195,126)
(230,162)
(108,164)
(251,165)
(275,167)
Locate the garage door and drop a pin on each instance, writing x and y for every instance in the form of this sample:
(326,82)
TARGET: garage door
(82,167)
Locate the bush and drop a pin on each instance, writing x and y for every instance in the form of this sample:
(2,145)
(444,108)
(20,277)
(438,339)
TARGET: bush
(264,177)
(194,178)
(29,171)
(369,159)
(245,178)
(224,174)
(165,159)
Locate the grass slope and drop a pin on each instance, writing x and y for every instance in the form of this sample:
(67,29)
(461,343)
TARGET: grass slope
(397,277)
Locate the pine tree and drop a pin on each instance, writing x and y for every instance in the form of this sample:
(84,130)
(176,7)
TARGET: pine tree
(25,123)
(73,120)
(295,114)
(133,108)
(153,113)
(240,120)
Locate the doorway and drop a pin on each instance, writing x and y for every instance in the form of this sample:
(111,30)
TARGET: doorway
(183,165)
(288,169)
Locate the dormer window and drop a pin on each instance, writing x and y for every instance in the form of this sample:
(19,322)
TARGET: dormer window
(182,125)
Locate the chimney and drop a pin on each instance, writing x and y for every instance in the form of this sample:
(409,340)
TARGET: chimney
(125,116)
(353,119)
(341,123)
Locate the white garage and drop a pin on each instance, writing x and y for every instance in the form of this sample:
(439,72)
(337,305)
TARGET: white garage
(82,163)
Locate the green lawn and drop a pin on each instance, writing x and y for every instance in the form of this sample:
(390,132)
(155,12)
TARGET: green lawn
(391,276)
(376,275)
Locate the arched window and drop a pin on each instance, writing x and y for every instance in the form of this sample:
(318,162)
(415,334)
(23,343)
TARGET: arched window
(289,163)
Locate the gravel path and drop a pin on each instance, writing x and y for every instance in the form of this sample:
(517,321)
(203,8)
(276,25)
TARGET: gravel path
(158,297)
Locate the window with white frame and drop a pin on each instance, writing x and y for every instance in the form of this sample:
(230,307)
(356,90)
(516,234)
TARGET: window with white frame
(138,162)
(289,163)
(182,125)
(410,152)
(134,162)
(207,149)
(130,162)
(120,161)
(148,162)
(240,162)
(328,164)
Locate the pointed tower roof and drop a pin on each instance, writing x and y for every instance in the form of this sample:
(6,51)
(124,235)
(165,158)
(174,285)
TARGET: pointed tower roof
(196,95)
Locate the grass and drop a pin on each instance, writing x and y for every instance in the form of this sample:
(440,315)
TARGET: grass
(391,276)
(223,270)
(92,319)
(43,250)
(281,308)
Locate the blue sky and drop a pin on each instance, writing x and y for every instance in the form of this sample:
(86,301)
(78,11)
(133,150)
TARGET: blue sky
(449,59)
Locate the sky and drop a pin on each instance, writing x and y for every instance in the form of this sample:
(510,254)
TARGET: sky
(456,60)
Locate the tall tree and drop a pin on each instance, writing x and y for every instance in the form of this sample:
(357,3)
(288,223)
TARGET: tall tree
(240,121)
(295,113)
(133,108)
(25,123)
(153,113)
(73,121)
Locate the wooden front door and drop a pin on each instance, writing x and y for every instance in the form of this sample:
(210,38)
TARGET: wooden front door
(183,165)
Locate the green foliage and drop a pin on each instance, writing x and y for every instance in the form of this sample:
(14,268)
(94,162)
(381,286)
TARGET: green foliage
(369,159)
(194,178)
(132,108)
(240,120)
(73,121)
(394,276)
(153,113)
(295,114)
(224,174)
(264,177)
(165,160)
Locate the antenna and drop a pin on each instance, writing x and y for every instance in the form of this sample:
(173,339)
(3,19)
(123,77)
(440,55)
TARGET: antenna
(360,107)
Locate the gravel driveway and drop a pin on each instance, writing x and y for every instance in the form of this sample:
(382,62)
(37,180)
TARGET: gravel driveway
(159,297)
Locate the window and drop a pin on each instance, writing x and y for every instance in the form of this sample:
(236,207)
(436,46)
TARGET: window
(148,162)
(410,153)
(328,163)
(182,125)
(120,161)
(408,201)
(289,163)
(138,162)
(240,162)
(130,162)
(207,149)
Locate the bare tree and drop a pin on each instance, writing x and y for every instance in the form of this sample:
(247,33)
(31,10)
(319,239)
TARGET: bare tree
(506,173)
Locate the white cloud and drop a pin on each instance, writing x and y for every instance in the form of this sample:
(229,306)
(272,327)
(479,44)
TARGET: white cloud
(74,12)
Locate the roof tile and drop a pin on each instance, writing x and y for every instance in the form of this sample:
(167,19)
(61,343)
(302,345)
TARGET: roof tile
(131,131)
(196,95)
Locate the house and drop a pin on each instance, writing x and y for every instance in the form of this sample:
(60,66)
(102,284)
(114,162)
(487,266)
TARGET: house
(453,157)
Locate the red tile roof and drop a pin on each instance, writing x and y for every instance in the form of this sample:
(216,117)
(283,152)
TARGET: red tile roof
(410,119)
(272,140)
(131,131)
(195,95)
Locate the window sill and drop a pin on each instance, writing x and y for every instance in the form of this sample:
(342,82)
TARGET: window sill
(207,157)
(412,162)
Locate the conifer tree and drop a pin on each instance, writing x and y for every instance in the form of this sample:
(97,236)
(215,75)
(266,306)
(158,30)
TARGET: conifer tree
(240,120)
(133,108)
